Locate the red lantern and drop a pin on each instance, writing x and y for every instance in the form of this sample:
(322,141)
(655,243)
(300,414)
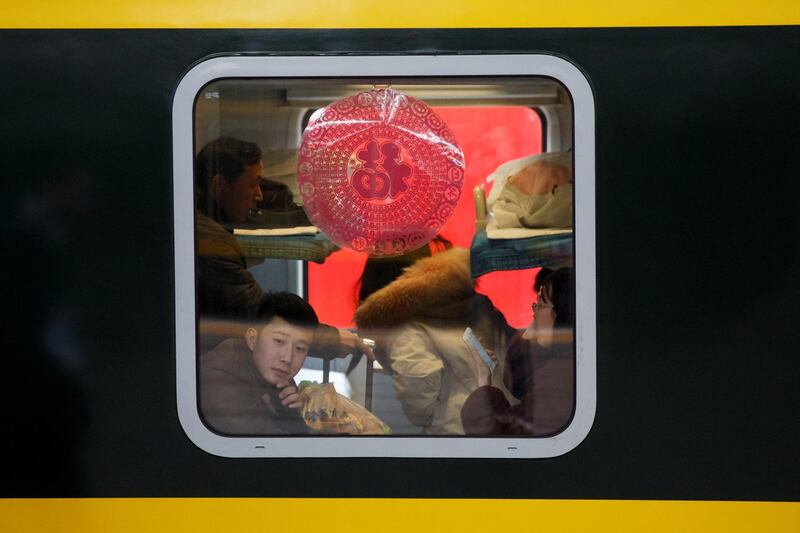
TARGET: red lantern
(379,172)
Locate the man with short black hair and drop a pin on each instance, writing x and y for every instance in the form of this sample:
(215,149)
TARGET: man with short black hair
(247,384)
(227,185)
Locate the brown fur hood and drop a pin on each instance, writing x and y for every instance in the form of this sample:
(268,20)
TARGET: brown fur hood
(430,287)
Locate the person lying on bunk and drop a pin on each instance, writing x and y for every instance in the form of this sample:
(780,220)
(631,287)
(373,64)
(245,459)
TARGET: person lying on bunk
(539,370)
(418,321)
(228,173)
(537,196)
(247,384)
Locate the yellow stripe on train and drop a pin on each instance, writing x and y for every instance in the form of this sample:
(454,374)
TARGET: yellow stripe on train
(245,515)
(386,14)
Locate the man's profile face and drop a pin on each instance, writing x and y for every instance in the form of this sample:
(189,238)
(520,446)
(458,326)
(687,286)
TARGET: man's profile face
(238,198)
(279,350)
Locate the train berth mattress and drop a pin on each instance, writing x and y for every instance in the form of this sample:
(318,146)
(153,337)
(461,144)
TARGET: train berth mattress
(315,247)
(550,248)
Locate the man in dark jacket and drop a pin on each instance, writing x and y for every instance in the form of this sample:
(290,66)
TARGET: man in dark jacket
(228,174)
(247,384)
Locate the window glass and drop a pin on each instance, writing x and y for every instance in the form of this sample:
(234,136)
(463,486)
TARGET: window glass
(459,324)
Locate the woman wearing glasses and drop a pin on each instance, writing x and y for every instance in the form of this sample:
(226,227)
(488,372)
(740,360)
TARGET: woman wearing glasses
(539,370)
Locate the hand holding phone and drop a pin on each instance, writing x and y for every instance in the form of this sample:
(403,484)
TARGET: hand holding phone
(473,342)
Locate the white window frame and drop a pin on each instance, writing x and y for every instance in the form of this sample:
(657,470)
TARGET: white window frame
(382,67)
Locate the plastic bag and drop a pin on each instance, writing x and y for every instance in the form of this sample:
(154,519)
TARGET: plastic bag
(380,172)
(500,176)
(327,411)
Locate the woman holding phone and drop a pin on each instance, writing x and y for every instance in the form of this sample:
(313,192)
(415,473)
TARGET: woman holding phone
(539,369)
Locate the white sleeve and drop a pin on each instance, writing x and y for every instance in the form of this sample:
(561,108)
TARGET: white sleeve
(417,375)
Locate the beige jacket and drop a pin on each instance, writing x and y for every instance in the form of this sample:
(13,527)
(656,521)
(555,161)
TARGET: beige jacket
(419,322)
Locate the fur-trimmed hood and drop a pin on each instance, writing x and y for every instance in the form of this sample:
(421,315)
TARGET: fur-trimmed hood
(435,287)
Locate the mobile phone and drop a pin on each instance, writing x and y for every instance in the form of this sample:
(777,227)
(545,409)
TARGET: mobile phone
(473,342)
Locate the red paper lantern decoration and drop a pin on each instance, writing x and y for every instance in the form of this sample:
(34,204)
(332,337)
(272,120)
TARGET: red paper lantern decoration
(379,172)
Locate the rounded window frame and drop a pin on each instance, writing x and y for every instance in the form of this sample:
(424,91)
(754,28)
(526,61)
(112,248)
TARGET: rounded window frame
(442,66)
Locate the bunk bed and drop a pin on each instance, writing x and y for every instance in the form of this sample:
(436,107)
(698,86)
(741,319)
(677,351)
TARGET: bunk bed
(494,249)
(303,244)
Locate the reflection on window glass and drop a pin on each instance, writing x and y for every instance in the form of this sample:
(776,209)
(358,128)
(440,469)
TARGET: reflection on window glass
(304,329)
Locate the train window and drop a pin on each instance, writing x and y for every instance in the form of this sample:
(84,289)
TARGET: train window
(384,256)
